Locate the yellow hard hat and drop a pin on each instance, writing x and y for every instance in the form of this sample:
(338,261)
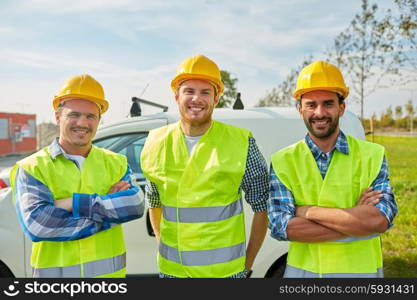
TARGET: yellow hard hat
(84,87)
(198,67)
(320,75)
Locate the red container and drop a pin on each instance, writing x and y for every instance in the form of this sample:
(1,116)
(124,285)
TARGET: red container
(17,133)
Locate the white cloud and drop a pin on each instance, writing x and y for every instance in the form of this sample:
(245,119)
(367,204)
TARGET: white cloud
(142,42)
(82,6)
(7,30)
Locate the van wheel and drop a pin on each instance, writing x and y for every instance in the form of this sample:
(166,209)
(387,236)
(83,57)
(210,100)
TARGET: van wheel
(5,271)
(278,268)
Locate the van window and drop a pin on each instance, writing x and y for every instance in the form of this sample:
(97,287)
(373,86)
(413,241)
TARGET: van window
(130,145)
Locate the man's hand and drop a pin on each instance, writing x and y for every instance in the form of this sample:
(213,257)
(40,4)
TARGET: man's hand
(301,211)
(370,197)
(118,187)
(67,202)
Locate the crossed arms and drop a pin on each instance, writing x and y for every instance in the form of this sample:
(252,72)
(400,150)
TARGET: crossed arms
(44,218)
(320,224)
(373,213)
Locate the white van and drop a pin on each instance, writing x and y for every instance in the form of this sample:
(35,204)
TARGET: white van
(273,129)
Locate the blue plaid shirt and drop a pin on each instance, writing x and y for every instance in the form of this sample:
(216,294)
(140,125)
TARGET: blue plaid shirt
(255,182)
(92,213)
(281,204)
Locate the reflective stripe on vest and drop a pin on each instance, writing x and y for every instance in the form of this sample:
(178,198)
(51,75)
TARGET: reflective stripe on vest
(202,257)
(202,214)
(90,269)
(358,238)
(292,272)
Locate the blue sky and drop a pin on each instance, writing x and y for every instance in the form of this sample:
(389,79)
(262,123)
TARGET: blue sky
(130,45)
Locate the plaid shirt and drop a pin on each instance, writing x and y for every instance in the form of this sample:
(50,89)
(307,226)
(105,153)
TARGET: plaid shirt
(281,204)
(92,213)
(255,182)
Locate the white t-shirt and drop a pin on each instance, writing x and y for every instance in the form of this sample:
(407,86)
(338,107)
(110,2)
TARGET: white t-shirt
(78,159)
(191,142)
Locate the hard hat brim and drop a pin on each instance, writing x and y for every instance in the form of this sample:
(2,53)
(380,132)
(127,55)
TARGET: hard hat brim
(101,103)
(183,77)
(342,92)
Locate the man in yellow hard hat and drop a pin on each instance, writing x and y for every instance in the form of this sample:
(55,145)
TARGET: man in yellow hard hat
(330,194)
(71,197)
(196,169)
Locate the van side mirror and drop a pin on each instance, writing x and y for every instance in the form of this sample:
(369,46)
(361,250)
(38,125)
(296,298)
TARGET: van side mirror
(238,102)
(135,110)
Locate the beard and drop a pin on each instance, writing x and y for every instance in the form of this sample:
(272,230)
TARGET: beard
(80,143)
(193,120)
(333,123)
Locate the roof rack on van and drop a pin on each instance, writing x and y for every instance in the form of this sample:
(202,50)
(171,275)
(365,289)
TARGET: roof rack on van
(238,102)
(135,109)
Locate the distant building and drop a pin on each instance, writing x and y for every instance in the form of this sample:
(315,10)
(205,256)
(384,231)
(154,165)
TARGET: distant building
(17,133)
(46,133)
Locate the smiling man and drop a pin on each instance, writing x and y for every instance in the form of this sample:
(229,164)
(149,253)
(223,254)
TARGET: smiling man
(196,170)
(71,197)
(330,193)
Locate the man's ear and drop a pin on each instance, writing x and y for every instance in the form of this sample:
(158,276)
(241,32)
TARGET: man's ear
(298,106)
(342,108)
(57,117)
(216,100)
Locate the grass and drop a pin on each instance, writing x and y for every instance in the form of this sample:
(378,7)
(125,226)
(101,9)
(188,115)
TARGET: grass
(399,244)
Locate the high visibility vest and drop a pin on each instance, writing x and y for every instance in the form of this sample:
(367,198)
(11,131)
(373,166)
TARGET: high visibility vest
(202,225)
(100,255)
(346,178)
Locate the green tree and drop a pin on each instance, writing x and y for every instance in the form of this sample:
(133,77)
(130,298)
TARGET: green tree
(398,116)
(410,113)
(365,52)
(230,91)
(398,112)
(407,27)
(282,94)
(376,123)
(386,118)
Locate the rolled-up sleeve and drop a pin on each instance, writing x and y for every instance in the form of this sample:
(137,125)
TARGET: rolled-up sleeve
(281,207)
(386,205)
(152,195)
(255,180)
